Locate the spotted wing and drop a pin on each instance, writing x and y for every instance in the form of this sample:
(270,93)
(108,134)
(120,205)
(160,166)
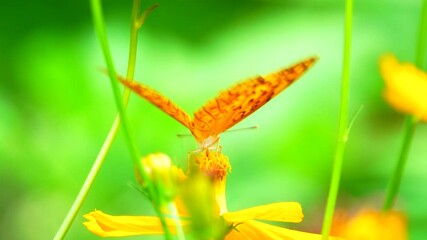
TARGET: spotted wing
(158,100)
(240,101)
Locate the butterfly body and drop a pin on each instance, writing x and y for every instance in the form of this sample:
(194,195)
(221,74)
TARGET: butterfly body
(229,107)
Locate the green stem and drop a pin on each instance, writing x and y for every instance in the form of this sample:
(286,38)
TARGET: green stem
(78,202)
(136,23)
(422,37)
(175,218)
(99,26)
(410,121)
(343,125)
(96,167)
(396,178)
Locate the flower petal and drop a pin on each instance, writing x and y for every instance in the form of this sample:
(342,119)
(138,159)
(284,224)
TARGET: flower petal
(282,211)
(406,86)
(257,230)
(105,225)
(250,230)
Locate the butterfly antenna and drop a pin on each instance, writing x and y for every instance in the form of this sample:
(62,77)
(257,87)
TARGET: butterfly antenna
(184,135)
(242,129)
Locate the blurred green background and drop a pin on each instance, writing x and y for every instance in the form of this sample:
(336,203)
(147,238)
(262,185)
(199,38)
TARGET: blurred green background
(57,107)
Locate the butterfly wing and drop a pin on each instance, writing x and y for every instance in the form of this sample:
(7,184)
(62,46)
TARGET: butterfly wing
(240,101)
(158,100)
(286,77)
(230,107)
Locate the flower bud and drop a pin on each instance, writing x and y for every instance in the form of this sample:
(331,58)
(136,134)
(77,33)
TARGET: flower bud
(159,169)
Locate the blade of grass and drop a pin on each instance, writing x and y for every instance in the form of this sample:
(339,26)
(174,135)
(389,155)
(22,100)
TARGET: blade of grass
(343,125)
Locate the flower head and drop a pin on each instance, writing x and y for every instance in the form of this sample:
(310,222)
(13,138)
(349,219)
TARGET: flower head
(406,86)
(243,224)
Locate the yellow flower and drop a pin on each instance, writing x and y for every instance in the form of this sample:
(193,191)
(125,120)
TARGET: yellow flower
(236,225)
(406,86)
(370,224)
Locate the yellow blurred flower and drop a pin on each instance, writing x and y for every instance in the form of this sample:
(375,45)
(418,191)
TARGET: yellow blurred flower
(406,86)
(234,225)
(370,224)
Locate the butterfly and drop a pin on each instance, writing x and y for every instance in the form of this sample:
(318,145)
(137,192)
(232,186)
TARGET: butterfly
(229,107)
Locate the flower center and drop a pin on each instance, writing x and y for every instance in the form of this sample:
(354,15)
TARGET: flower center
(214,164)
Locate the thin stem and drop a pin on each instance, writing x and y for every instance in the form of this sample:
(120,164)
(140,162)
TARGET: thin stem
(96,167)
(175,218)
(422,37)
(343,124)
(396,178)
(137,23)
(78,202)
(99,26)
(72,213)
(410,121)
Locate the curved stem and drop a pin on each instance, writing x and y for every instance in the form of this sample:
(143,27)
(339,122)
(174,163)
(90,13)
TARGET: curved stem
(343,125)
(144,15)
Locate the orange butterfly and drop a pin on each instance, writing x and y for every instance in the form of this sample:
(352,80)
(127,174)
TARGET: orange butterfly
(229,107)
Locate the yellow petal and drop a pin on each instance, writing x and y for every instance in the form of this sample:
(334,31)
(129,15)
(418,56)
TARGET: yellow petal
(105,225)
(179,174)
(406,86)
(282,211)
(257,230)
(250,230)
